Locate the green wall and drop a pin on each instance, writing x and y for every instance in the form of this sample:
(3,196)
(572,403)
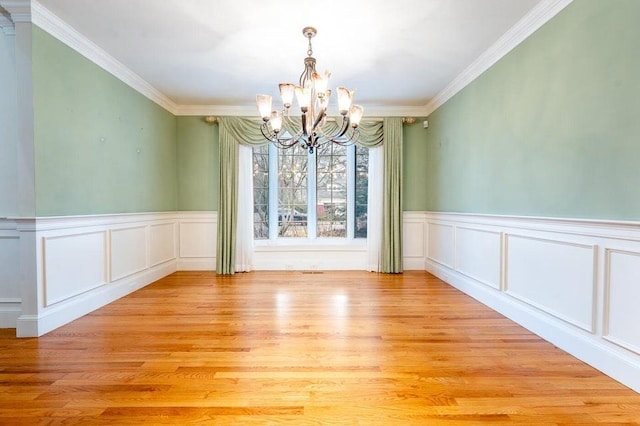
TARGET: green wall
(414,152)
(8,127)
(100,146)
(198,164)
(551,129)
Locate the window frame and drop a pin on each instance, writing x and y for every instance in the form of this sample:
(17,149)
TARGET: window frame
(312,225)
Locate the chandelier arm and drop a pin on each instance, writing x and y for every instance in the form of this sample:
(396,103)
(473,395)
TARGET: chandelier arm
(321,115)
(304,124)
(285,143)
(269,135)
(341,131)
(345,126)
(347,140)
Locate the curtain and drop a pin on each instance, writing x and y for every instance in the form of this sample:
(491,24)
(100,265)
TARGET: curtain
(374,209)
(235,130)
(392,197)
(227,203)
(244,222)
(235,221)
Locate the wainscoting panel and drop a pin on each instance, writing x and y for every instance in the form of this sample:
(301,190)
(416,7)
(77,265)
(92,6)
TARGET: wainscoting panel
(622,299)
(10,297)
(9,287)
(555,276)
(162,243)
(479,255)
(85,262)
(440,244)
(128,251)
(414,236)
(197,241)
(73,264)
(573,282)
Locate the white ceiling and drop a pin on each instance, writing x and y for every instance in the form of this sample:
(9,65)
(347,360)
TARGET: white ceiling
(214,53)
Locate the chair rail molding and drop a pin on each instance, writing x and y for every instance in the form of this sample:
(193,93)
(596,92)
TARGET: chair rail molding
(573,282)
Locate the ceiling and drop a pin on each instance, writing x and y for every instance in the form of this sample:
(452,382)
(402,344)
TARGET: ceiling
(397,55)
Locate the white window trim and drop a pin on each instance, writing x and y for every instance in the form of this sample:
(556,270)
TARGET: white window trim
(320,243)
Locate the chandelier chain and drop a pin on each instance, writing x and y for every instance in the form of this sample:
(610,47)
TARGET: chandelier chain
(310,48)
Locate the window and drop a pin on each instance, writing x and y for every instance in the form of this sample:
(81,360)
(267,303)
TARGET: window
(287,182)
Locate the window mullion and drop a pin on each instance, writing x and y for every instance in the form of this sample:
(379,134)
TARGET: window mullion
(351,191)
(273,192)
(312,194)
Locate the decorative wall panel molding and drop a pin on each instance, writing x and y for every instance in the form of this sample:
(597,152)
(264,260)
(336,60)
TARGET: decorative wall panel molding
(73,264)
(414,240)
(622,299)
(556,276)
(479,255)
(128,251)
(572,282)
(84,262)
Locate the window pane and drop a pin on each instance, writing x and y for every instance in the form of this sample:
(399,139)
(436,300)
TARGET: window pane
(331,190)
(292,192)
(261,192)
(361,191)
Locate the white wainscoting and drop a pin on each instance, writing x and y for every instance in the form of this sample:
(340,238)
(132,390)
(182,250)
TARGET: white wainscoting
(10,295)
(573,282)
(197,245)
(84,262)
(576,283)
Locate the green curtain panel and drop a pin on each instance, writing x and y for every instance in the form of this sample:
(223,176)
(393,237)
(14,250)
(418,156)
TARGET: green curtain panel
(234,130)
(392,197)
(227,203)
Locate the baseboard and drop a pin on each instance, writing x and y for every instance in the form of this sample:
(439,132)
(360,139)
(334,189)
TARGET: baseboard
(205,264)
(578,343)
(76,307)
(9,313)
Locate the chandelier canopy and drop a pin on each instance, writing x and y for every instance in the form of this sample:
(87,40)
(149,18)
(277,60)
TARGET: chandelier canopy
(312,94)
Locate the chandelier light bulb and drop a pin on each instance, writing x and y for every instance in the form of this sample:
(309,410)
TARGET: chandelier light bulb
(276,121)
(264,106)
(321,82)
(355,113)
(303,95)
(344,100)
(287,91)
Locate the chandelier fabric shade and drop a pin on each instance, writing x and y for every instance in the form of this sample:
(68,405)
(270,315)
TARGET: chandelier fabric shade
(312,94)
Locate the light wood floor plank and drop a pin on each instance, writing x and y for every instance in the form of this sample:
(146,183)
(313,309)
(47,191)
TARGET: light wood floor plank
(289,348)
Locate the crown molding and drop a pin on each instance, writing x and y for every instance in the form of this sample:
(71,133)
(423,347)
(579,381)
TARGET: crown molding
(537,17)
(59,29)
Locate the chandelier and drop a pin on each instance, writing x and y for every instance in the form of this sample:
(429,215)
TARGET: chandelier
(312,94)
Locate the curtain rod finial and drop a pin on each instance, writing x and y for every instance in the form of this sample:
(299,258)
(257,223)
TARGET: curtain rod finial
(409,120)
(210,119)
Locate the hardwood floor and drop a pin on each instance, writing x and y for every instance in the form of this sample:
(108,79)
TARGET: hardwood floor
(331,348)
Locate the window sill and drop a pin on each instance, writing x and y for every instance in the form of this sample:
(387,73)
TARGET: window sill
(321,244)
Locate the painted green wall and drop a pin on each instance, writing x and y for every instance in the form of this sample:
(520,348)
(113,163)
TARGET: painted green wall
(8,127)
(101,147)
(198,164)
(550,130)
(415,150)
